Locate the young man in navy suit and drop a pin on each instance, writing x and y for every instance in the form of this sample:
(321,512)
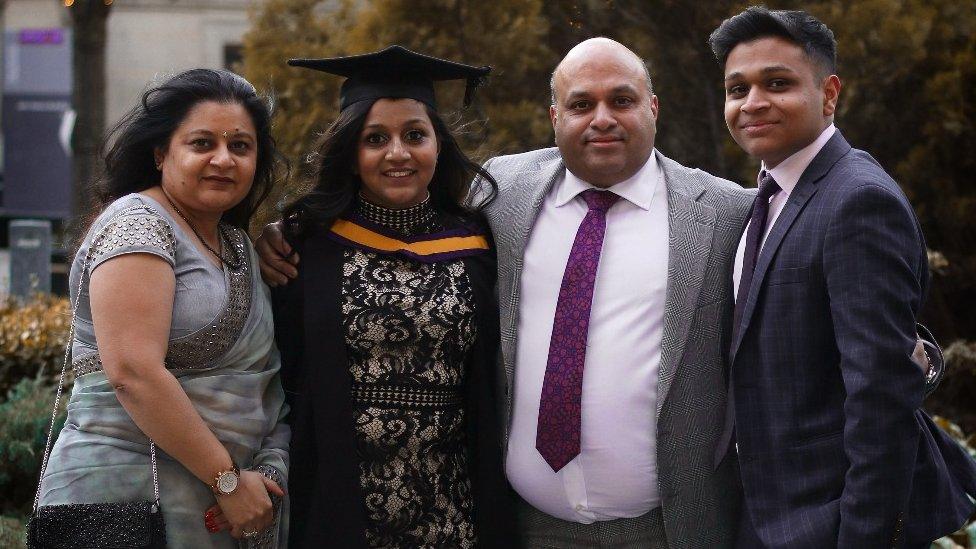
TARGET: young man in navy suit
(829,276)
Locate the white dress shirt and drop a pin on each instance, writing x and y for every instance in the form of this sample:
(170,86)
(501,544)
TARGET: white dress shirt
(615,475)
(786,174)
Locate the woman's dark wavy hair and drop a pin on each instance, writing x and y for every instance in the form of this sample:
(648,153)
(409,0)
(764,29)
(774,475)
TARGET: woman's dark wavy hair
(130,165)
(335,186)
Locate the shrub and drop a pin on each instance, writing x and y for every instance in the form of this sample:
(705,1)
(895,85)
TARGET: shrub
(954,397)
(12,532)
(24,421)
(966,536)
(32,338)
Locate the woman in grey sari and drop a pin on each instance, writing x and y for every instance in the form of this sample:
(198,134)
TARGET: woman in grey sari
(166,282)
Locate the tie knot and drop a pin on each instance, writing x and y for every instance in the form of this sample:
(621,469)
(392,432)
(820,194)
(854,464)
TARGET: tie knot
(599,200)
(767,185)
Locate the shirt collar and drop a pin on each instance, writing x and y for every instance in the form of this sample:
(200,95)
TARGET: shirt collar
(787,173)
(638,189)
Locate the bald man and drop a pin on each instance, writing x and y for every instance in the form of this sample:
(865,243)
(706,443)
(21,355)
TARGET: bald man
(615,315)
(614,265)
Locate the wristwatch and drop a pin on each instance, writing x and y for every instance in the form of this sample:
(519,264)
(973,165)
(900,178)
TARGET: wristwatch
(225,482)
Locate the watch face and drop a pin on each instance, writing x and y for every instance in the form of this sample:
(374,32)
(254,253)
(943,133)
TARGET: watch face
(227,482)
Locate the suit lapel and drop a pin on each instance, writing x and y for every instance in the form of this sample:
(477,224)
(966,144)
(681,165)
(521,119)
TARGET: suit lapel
(805,188)
(523,208)
(527,201)
(691,225)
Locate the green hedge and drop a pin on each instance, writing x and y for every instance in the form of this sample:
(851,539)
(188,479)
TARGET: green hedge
(11,532)
(24,420)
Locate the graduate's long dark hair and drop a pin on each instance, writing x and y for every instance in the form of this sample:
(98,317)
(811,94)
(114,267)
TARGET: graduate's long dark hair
(335,185)
(129,164)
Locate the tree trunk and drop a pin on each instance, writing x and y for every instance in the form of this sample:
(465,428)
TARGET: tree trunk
(89,18)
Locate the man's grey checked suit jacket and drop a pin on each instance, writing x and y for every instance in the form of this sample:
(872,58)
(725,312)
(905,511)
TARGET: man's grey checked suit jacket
(706,216)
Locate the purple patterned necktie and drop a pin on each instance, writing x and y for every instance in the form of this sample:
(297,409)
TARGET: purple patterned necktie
(558,432)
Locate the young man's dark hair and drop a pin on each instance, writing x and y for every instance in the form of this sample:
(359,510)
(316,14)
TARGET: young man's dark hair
(798,27)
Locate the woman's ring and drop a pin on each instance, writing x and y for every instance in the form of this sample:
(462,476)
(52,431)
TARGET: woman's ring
(249,534)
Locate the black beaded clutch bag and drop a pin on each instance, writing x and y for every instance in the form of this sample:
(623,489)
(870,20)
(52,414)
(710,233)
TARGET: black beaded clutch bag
(137,524)
(97,525)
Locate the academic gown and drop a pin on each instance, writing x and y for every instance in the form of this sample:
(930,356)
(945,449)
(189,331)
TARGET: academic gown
(327,508)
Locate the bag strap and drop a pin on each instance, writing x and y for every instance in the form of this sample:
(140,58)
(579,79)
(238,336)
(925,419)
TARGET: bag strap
(64,367)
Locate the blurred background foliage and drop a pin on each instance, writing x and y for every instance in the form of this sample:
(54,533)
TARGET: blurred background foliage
(33,335)
(32,339)
(25,417)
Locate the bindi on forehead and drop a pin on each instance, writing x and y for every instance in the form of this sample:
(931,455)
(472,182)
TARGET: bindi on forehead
(236,133)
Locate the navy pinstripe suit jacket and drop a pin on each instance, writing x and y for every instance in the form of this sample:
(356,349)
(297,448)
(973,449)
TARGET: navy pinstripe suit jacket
(833,449)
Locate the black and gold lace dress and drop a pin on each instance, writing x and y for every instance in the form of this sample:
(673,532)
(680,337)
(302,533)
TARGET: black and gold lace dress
(408,328)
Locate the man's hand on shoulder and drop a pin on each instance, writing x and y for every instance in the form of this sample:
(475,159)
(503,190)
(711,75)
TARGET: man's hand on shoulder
(278,261)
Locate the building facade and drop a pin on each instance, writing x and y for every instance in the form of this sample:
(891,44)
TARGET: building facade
(147,40)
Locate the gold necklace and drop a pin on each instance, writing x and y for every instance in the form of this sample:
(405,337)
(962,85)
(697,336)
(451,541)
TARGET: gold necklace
(221,234)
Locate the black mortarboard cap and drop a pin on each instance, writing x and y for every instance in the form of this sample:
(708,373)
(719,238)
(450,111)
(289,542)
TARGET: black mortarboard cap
(394,72)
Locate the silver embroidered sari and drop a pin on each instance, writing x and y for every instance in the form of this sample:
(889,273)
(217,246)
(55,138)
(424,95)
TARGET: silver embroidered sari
(222,352)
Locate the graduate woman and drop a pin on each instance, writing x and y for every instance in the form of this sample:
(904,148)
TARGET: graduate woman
(389,333)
